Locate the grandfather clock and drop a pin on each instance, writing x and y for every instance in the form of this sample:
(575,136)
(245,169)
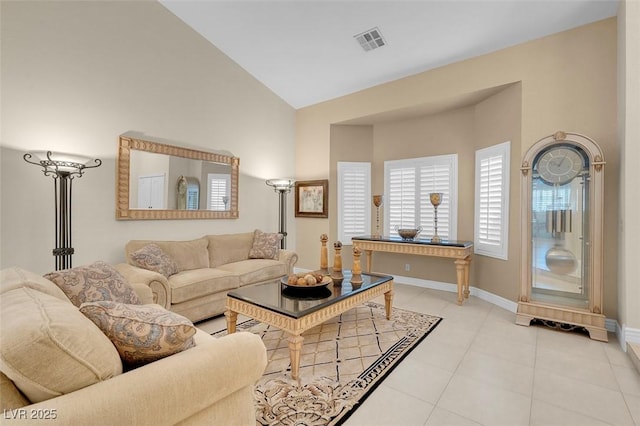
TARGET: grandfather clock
(562,249)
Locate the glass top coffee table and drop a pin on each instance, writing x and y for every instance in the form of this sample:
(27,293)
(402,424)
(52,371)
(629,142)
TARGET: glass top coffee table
(295,310)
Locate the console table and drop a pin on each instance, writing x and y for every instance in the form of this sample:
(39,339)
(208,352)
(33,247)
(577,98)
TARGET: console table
(459,250)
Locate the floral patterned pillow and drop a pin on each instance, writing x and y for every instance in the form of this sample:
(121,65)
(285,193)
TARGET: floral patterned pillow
(91,283)
(152,257)
(265,246)
(141,333)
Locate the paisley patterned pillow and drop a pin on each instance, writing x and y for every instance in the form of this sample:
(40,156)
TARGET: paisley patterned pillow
(152,257)
(265,246)
(141,333)
(90,283)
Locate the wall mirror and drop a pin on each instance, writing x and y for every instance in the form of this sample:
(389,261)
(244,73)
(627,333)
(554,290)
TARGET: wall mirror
(159,181)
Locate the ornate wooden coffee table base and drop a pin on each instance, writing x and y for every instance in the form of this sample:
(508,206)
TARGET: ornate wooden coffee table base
(296,326)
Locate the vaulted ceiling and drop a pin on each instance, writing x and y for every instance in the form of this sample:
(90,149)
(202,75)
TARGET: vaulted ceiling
(306,51)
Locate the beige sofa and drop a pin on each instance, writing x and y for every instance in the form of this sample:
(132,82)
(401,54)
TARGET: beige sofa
(211,383)
(209,267)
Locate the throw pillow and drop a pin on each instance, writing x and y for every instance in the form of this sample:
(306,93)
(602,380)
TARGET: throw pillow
(265,246)
(98,281)
(141,333)
(49,348)
(152,257)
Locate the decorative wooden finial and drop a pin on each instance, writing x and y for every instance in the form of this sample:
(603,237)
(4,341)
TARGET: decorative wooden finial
(356,270)
(559,135)
(324,256)
(336,273)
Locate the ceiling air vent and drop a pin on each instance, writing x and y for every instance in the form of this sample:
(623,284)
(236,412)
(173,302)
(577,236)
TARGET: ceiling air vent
(370,39)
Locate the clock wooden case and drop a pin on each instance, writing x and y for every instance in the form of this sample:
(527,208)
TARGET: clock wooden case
(562,251)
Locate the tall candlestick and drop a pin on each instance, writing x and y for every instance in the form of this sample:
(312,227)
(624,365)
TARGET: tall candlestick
(436,199)
(377,201)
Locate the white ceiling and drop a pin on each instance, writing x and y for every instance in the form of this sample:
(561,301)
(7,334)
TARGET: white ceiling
(306,53)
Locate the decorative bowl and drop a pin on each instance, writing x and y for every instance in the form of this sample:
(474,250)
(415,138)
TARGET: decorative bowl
(408,233)
(325,281)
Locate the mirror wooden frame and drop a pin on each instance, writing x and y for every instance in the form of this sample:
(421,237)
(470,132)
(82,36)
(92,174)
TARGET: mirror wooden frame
(123,167)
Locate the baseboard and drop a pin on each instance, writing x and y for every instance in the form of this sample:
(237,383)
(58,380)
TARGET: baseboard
(625,334)
(630,335)
(611,325)
(453,288)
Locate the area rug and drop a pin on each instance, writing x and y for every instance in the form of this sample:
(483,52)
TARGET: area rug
(342,362)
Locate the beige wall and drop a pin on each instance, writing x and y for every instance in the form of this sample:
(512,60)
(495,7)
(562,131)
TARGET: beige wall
(76,75)
(568,83)
(489,121)
(498,119)
(629,135)
(439,134)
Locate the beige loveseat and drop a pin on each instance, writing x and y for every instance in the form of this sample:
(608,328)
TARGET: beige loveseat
(209,267)
(211,383)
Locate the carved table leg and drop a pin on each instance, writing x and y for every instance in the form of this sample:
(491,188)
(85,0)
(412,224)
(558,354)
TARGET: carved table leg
(295,347)
(368,252)
(460,267)
(388,300)
(466,277)
(232,318)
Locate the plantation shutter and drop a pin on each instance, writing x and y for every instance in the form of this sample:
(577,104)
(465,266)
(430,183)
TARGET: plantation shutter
(401,199)
(218,185)
(354,200)
(408,184)
(492,190)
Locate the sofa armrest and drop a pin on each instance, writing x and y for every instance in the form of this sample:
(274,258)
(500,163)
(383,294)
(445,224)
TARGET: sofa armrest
(168,391)
(155,281)
(289,258)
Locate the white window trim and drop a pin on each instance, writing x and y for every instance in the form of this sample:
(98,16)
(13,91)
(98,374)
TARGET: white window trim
(449,159)
(344,166)
(501,250)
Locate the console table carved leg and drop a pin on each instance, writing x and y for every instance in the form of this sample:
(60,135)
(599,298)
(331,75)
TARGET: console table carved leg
(232,318)
(295,347)
(466,277)
(368,252)
(462,272)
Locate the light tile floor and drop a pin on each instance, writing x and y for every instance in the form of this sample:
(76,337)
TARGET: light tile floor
(479,368)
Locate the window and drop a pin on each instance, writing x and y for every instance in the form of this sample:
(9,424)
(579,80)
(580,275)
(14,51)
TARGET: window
(407,186)
(354,200)
(218,190)
(492,201)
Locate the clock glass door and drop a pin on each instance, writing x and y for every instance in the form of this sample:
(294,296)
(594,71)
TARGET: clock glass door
(560,240)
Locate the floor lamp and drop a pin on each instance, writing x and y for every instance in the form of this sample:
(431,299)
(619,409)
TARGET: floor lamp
(63,169)
(282,187)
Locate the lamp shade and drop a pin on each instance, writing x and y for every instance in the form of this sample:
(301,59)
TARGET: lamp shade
(281,184)
(54,163)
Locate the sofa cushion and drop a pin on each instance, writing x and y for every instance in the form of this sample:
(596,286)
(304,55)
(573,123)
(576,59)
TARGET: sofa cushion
(256,270)
(90,283)
(141,333)
(49,348)
(228,248)
(153,258)
(265,245)
(189,285)
(12,278)
(12,398)
(191,254)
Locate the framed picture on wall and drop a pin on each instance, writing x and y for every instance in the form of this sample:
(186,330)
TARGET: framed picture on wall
(312,198)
